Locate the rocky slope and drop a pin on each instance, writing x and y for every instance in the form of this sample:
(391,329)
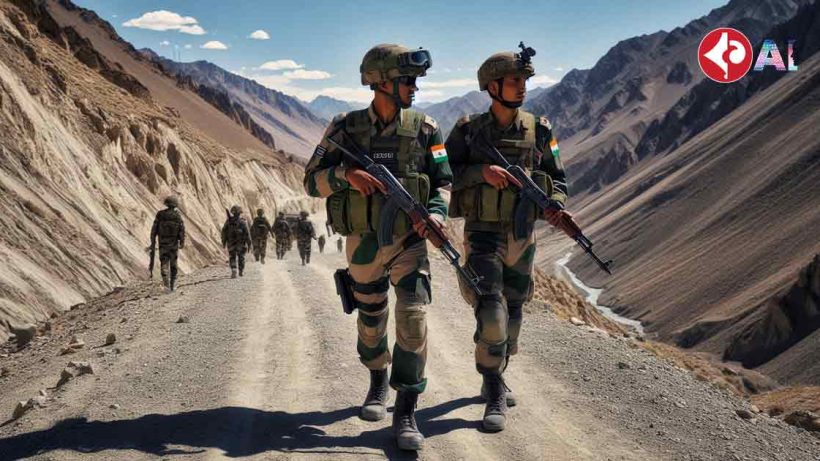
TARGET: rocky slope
(294,127)
(92,141)
(602,114)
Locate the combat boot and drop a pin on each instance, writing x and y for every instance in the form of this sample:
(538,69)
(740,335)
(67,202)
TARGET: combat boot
(263,259)
(165,281)
(172,284)
(496,406)
(233,273)
(374,407)
(407,433)
(307,259)
(510,396)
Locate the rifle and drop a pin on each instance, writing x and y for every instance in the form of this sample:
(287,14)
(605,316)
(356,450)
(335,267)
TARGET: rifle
(399,199)
(151,252)
(531,193)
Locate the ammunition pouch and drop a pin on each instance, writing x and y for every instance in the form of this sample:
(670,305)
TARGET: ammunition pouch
(484,203)
(350,212)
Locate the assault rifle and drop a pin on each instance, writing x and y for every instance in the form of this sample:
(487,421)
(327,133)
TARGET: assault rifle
(398,199)
(151,253)
(531,193)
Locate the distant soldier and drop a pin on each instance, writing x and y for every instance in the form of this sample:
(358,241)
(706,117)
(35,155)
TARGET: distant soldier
(169,229)
(321,243)
(339,244)
(304,236)
(283,234)
(260,230)
(237,239)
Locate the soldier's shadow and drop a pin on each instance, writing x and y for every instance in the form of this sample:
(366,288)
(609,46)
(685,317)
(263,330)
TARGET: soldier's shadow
(237,431)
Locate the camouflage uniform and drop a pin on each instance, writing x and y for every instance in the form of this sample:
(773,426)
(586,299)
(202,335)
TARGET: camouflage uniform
(321,243)
(305,233)
(237,239)
(260,230)
(169,229)
(491,248)
(283,234)
(404,263)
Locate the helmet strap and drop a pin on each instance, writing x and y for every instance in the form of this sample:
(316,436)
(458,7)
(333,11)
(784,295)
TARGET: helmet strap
(500,96)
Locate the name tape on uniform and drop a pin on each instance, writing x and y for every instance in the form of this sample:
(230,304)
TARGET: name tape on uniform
(439,153)
(320,151)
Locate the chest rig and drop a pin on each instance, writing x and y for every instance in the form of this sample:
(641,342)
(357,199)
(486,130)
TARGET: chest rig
(482,206)
(349,211)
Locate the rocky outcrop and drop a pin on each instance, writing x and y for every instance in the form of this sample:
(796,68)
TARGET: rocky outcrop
(85,163)
(788,319)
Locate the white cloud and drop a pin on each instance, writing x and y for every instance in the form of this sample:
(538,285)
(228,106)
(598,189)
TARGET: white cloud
(259,35)
(163,20)
(281,64)
(164,43)
(454,83)
(558,69)
(188,46)
(542,80)
(214,45)
(302,74)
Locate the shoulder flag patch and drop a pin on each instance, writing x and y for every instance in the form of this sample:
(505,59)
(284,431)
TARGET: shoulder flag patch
(439,153)
(554,147)
(320,151)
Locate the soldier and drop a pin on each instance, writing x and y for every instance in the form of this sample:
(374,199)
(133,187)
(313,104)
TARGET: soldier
(260,230)
(339,244)
(237,239)
(321,243)
(305,234)
(482,195)
(283,234)
(410,144)
(169,229)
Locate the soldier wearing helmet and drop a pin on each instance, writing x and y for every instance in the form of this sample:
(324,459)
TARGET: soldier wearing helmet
(484,195)
(236,238)
(260,229)
(305,235)
(283,234)
(169,230)
(411,146)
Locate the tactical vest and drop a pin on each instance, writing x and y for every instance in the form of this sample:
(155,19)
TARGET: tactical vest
(349,211)
(170,222)
(482,203)
(236,231)
(260,227)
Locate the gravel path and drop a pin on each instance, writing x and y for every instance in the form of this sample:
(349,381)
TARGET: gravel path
(265,367)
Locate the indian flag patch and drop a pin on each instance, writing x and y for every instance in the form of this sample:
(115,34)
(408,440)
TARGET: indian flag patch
(554,147)
(439,153)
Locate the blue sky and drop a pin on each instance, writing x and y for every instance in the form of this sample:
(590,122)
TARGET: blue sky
(315,47)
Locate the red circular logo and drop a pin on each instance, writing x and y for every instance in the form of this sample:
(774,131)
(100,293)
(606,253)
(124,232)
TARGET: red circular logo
(725,55)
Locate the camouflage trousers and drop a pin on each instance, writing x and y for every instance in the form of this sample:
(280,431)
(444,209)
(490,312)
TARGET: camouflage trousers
(237,258)
(282,246)
(260,247)
(506,267)
(404,265)
(304,248)
(168,263)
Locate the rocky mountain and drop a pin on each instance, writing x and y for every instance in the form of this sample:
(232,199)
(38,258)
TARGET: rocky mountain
(715,239)
(293,126)
(448,112)
(327,107)
(602,114)
(93,138)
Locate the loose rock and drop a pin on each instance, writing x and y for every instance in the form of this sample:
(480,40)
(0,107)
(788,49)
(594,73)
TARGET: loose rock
(576,321)
(183,319)
(110,339)
(744,413)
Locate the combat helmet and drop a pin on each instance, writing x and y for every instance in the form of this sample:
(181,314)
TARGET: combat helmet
(389,61)
(499,65)
(236,210)
(303,214)
(260,212)
(171,201)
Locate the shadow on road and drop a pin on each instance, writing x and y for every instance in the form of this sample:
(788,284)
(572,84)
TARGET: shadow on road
(236,431)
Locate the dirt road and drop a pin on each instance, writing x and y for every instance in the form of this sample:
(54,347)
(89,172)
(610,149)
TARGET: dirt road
(265,367)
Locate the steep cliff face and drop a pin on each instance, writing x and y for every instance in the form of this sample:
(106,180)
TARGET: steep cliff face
(89,150)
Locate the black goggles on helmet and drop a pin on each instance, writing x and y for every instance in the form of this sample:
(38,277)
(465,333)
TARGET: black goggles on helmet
(408,80)
(418,58)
